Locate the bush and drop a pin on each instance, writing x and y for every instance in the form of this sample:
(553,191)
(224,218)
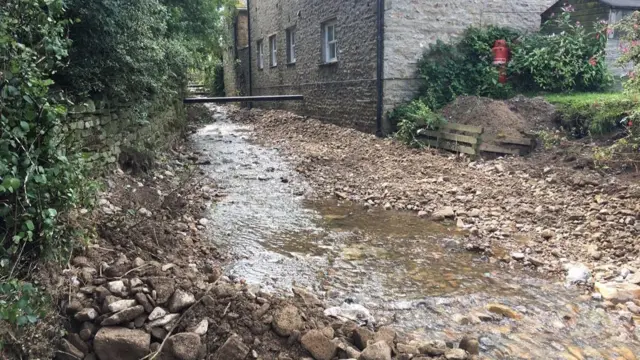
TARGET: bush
(573,59)
(214,77)
(463,68)
(414,116)
(593,114)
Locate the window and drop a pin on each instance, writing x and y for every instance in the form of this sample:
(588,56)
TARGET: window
(273,49)
(329,42)
(291,45)
(260,54)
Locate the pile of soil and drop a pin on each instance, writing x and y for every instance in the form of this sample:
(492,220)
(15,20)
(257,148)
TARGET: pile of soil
(513,118)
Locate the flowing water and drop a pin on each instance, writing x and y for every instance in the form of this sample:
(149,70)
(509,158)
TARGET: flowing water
(409,272)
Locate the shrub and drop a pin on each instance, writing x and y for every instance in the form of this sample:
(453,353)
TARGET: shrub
(414,116)
(214,77)
(573,59)
(463,68)
(593,114)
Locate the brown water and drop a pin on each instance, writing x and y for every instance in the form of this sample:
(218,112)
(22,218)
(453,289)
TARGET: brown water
(407,271)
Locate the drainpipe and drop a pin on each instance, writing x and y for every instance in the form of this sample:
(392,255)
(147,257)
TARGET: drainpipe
(379,67)
(250,49)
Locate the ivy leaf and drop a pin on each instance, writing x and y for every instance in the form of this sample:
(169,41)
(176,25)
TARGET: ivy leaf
(30,225)
(24,125)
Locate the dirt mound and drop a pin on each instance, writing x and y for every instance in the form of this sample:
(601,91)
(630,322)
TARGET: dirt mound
(514,117)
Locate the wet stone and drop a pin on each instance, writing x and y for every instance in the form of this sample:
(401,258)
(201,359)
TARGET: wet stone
(470,345)
(361,337)
(319,345)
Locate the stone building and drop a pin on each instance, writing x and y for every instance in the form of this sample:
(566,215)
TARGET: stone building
(589,12)
(354,60)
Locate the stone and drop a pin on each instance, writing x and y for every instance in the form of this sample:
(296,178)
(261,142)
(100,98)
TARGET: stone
(164,320)
(547,234)
(138,262)
(407,349)
(286,319)
(504,311)
(455,354)
(377,351)
(593,252)
(85,334)
(232,349)
(461,319)
(117,288)
(634,278)
(577,274)
(80,344)
(141,298)
(328,332)
(184,346)
(120,343)
(87,314)
(158,333)
(318,345)
(200,328)
(68,351)
(422,213)
(74,306)
(157,313)
(386,334)
(361,337)
(139,321)
(470,345)
(163,286)
(517,256)
(181,300)
(444,213)
(618,293)
(123,316)
(81,262)
(121,305)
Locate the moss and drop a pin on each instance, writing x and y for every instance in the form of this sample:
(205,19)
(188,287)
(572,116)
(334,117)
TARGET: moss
(592,113)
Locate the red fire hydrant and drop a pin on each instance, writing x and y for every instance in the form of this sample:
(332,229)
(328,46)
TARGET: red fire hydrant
(500,58)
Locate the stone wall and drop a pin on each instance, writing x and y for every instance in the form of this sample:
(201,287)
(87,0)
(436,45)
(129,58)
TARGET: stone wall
(101,129)
(343,92)
(410,26)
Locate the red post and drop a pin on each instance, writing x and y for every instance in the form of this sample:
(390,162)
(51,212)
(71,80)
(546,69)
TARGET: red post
(500,58)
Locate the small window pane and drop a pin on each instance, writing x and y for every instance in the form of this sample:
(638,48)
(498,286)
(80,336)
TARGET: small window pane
(330,34)
(332,51)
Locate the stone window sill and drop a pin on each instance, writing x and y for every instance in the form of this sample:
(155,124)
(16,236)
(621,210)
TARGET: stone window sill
(330,63)
(291,63)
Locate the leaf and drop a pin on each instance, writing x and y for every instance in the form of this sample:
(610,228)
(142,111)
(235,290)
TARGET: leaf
(29,225)
(11,183)
(24,125)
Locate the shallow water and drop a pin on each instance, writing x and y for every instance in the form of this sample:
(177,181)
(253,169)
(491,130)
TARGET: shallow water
(411,273)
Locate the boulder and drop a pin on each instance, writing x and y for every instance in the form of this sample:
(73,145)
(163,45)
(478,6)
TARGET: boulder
(123,316)
(470,345)
(118,343)
(318,345)
(163,286)
(181,300)
(456,354)
(121,305)
(68,352)
(157,313)
(141,298)
(618,293)
(232,349)
(184,346)
(377,351)
(75,340)
(200,328)
(87,314)
(286,320)
(577,274)
(386,334)
(164,320)
(117,288)
(361,337)
(444,213)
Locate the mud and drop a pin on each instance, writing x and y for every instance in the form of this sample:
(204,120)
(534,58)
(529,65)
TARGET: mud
(413,274)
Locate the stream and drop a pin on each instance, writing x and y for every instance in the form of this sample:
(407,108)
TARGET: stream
(410,273)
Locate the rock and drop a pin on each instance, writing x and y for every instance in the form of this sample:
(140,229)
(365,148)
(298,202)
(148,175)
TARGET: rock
(87,314)
(163,286)
(444,213)
(139,321)
(138,262)
(328,332)
(386,334)
(68,351)
(461,319)
(144,212)
(618,293)
(85,334)
(232,349)
(123,316)
(634,278)
(353,312)
(361,337)
(184,346)
(422,213)
(74,306)
(535,261)
(117,343)
(455,354)
(81,262)
(547,234)
(157,313)
(200,328)
(407,349)
(470,345)
(593,252)
(80,344)
(577,274)
(517,256)
(121,305)
(377,351)
(624,272)
(181,300)
(117,288)
(504,311)
(141,298)
(286,319)
(164,320)
(308,297)
(318,345)
(159,333)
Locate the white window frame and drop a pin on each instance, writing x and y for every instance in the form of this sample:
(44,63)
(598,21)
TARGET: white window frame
(291,45)
(273,49)
(329,28)
(260,54)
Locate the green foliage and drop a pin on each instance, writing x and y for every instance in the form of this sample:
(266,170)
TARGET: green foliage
(592,114)
(572,59)
(214,77)
(21,303)
(463,68)
(412,117)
